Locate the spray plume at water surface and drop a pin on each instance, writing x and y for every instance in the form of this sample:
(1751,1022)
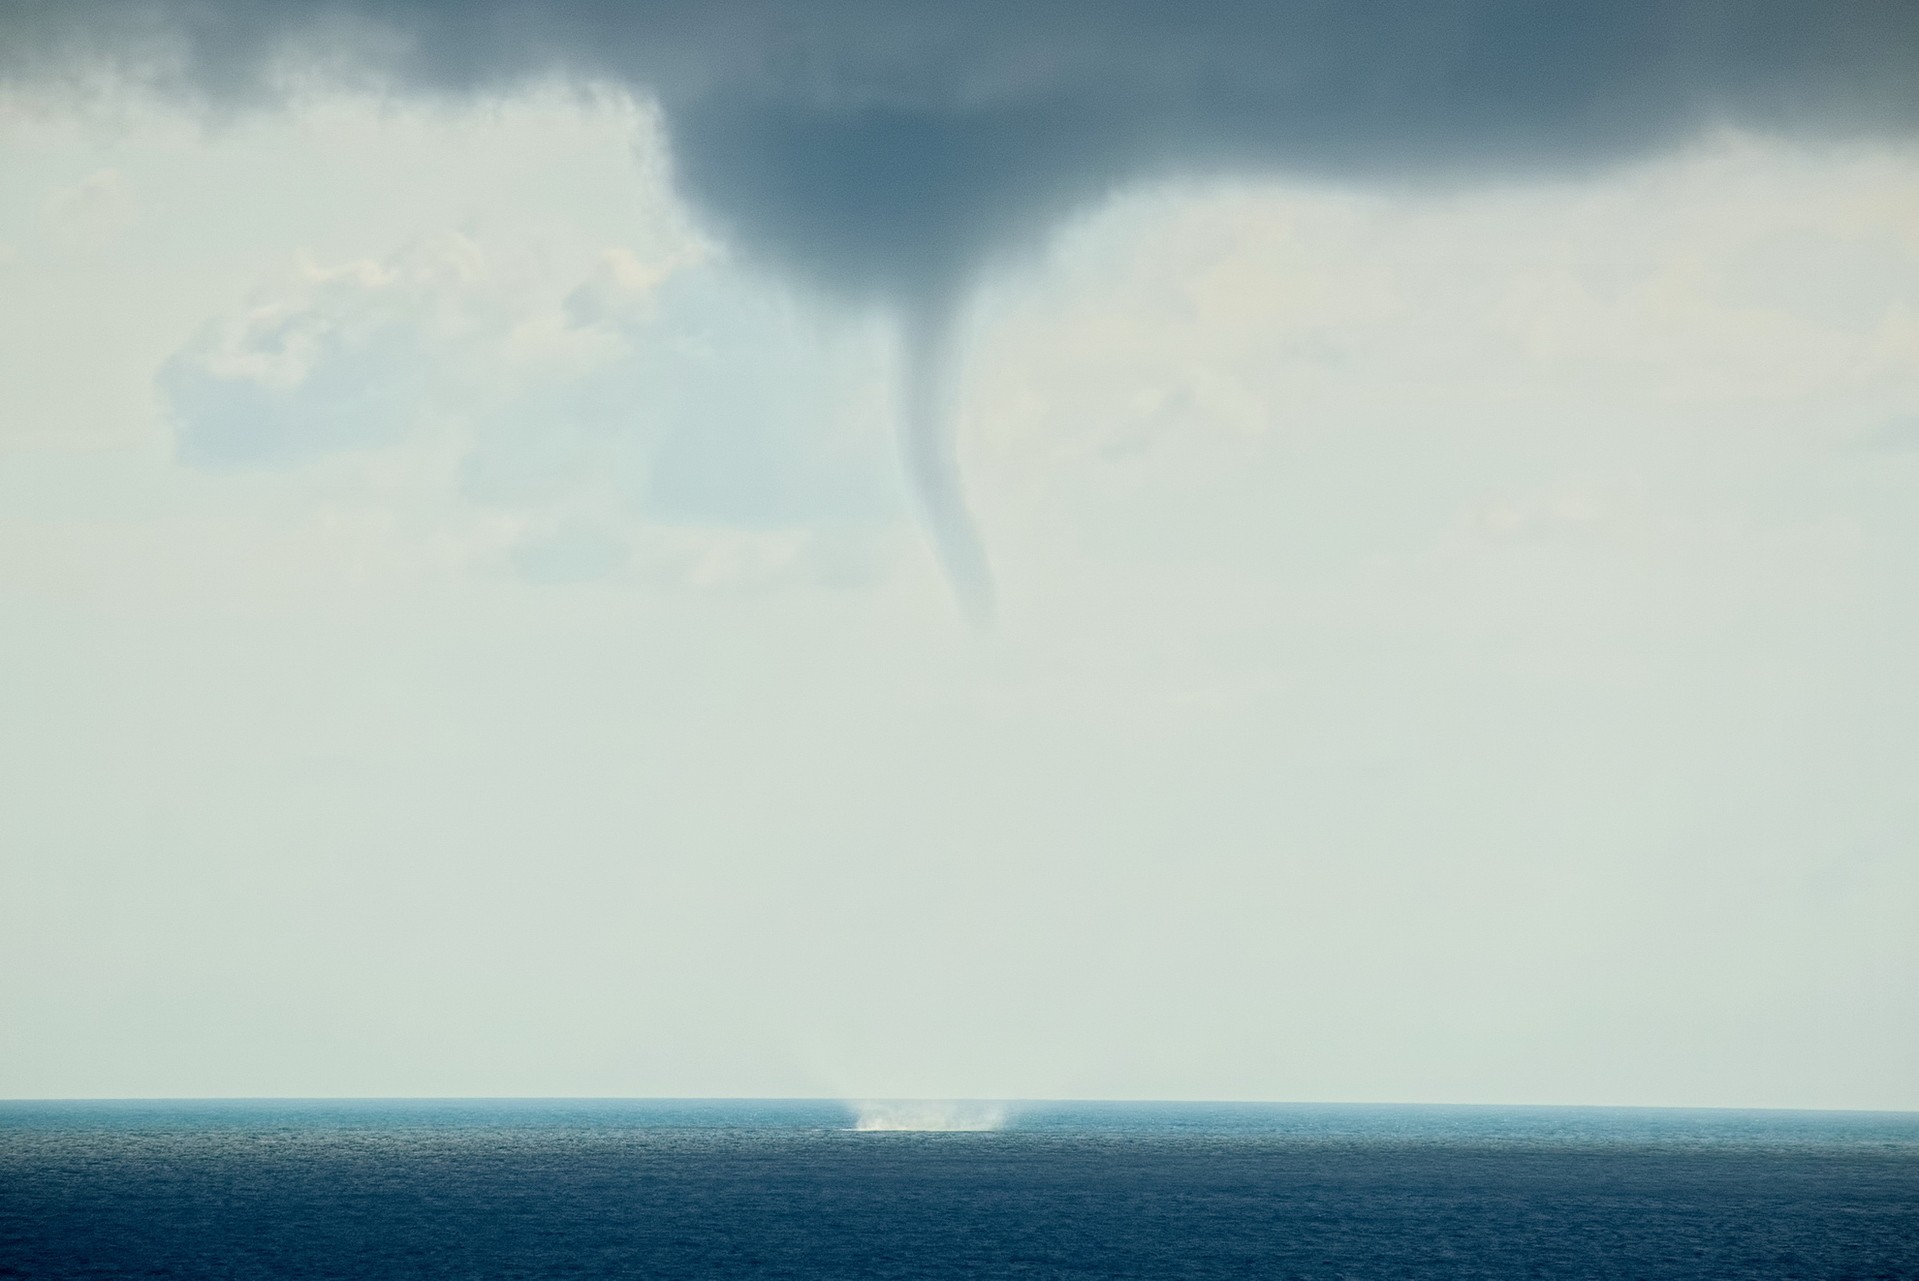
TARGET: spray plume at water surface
(929,1116)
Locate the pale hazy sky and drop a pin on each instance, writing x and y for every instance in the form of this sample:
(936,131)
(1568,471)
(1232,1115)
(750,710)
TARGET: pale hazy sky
(465,631)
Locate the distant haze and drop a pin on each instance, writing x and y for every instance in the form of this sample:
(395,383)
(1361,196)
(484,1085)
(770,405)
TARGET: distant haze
(491,496)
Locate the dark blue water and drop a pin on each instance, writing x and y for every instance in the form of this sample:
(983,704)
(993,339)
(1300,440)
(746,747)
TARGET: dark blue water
(743,1190)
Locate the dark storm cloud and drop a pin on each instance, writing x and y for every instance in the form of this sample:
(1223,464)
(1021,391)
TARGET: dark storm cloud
(888,149)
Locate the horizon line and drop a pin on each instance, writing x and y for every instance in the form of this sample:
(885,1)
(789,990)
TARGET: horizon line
(856,1100)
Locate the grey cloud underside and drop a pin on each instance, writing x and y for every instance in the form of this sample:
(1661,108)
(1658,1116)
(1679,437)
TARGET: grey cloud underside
(890,149)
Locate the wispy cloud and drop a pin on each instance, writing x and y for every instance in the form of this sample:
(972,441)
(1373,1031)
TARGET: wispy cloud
(92,211)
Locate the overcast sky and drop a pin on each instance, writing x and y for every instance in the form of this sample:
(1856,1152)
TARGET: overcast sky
(466,629)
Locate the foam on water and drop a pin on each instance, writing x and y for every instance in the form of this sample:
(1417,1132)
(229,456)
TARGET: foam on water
(928,1115)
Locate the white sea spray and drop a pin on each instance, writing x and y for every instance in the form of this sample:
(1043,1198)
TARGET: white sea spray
(928,1115)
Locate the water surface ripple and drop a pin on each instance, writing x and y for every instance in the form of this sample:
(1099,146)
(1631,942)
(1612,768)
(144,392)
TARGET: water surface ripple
(794,1190)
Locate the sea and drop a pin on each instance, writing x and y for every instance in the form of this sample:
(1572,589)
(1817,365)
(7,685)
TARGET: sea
(832,1190)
